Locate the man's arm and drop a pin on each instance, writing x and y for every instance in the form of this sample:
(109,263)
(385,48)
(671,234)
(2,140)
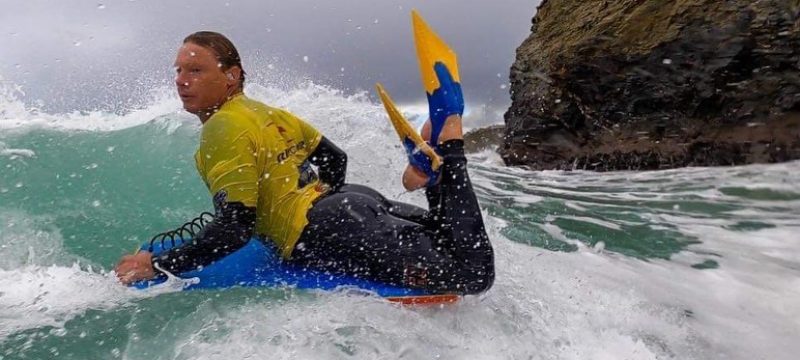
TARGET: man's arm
(226,161)
(332,163)
(228,232)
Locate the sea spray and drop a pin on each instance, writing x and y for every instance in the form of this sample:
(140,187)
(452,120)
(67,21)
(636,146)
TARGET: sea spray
(696,263)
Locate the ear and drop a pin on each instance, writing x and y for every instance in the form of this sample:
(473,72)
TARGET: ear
(234,74)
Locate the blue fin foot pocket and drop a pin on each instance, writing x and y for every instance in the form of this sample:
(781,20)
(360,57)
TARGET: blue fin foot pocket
(445,101)
(421,161)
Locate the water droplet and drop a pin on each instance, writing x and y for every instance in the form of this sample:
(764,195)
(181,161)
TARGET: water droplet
(96,203)
(375,22)
(270,66)
(18,185)
(100,6)
(110,149)
(666,61)
(305,58)
(76,43)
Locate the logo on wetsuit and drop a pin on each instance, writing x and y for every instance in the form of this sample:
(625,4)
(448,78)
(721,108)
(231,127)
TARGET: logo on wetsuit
(291,150)
(415,274)
(220,201)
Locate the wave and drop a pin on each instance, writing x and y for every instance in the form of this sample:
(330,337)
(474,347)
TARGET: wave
(684,263)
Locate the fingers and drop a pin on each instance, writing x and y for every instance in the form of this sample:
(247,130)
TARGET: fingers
(125,269)
(123,264)
(132,268)
(126,279)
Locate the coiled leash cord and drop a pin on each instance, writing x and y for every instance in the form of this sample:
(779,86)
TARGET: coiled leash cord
(190,228)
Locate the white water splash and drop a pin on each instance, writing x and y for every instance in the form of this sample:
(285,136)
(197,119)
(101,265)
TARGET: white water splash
(14,154)
(543,306)
(35,296)
(588,304)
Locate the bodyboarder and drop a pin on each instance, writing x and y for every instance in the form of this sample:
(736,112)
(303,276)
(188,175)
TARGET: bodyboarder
(256,162)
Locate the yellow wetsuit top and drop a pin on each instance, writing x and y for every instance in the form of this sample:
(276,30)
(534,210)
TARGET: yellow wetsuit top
(251,153)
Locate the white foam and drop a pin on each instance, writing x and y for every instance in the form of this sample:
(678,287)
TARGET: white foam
(14,154)
(589,304)
(35,296)
(544,305)
(746,308)
(27,240)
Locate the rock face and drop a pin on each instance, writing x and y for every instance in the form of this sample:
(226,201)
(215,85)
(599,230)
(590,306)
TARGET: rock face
(484,138)
(650,84)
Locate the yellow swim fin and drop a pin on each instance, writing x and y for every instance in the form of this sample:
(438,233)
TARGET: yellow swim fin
(404,129)
(430,50)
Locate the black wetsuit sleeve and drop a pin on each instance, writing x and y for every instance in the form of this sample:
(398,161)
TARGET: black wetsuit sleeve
(230,230)
(331,162)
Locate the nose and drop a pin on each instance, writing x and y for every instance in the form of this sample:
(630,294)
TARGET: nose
(181,80)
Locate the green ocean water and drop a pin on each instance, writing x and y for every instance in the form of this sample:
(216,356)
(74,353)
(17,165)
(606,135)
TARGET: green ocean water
(688,263)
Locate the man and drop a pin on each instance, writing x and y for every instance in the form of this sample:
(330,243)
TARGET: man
(254,160)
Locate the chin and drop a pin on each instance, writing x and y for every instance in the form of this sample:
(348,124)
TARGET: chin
(191,109)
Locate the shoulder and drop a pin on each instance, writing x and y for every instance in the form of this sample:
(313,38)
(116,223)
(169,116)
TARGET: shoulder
(225,126)
(281,113)
(245,106)
(223,119)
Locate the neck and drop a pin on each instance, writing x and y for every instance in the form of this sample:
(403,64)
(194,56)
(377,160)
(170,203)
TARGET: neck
(206,114)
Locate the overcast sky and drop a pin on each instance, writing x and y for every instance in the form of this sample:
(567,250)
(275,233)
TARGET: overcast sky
(86,55)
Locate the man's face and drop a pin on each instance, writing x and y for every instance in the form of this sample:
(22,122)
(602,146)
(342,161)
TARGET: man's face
(202,84)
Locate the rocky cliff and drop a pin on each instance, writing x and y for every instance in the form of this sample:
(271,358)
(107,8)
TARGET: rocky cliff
(649,84)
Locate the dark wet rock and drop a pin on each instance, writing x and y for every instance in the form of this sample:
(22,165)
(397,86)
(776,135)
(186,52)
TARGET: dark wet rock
(490,137)
(631,84)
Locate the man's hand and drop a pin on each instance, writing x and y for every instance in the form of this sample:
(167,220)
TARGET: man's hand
(135,267)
